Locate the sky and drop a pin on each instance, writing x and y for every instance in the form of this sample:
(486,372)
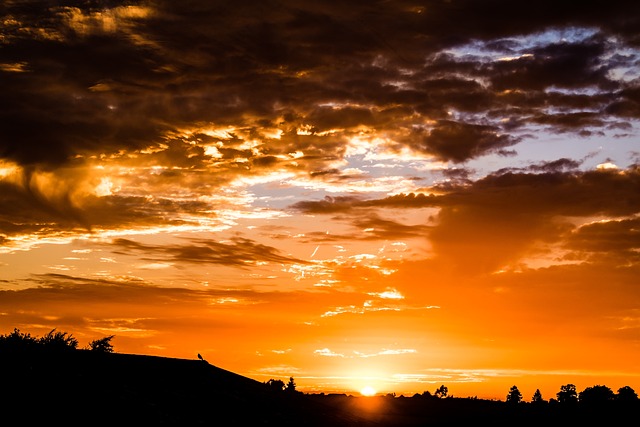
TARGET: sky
(392,194)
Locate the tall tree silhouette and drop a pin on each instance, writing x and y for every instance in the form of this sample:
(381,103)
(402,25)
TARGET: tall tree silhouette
(441,392)
(291,386)
(514,395)
(567,394)
(537,397)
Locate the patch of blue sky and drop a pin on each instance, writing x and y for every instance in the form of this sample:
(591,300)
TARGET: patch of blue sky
(542,146)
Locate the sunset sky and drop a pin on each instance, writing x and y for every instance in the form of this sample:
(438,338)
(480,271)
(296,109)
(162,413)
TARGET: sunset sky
(393,194)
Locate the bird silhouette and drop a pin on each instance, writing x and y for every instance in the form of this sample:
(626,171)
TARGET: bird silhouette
(200,357)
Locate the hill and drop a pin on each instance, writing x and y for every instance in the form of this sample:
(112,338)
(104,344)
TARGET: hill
(81,387)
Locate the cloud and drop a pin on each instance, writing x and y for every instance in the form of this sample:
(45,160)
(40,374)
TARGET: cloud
(330,205)
(458,142)
(608,240)
(389,293)
(327,353)
(564,64)
(518,208)
(559,165)
(128,308)
(387,352)
(238,252)
(203,97)
(356,354)
(100,80)
(382,303)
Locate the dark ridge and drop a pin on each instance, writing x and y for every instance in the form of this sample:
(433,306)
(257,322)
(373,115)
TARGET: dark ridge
(82,387)
(93,388)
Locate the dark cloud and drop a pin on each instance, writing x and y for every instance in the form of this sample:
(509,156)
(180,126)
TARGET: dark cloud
(29,209)
(99,77)
(571,121)
(559,165)
(458,142)
(627,105)
(562,65)
(377,228)
(519,210)
(328,205)
(618,239)
(605,192)
(239,252)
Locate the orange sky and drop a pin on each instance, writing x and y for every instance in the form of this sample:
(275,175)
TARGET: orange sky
(396,194)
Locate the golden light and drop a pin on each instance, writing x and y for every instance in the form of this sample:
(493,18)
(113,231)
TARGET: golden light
(368,391)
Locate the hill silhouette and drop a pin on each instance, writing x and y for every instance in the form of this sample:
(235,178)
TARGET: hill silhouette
(84,387)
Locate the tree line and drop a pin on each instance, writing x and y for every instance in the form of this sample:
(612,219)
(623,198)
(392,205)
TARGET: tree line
(568,395)
(56,341)
(52,341)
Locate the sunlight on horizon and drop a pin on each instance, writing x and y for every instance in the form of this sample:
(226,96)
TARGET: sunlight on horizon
(368,391)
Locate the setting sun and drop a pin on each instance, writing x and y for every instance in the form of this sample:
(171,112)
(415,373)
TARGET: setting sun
(368,391)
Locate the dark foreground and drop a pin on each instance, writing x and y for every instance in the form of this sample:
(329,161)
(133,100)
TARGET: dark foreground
(99,389)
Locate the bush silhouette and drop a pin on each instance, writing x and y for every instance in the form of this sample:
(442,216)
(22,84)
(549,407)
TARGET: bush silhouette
(102,345)
(17,341)
(58,341)
(275,385)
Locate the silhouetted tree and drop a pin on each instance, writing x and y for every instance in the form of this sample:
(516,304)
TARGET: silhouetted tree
(567,394)
(514,395)
(597,394)
(276,385)
(626,394)
(441,392)
(17,341)
(537,397)
(58,341)
(102,345)
(291,386)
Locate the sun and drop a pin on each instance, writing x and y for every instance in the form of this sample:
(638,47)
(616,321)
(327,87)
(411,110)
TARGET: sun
(368,391)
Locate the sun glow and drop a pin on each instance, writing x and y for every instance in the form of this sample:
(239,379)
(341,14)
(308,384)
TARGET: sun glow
(368,391)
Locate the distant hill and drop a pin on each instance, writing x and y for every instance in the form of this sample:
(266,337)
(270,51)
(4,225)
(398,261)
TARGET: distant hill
(89,388)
